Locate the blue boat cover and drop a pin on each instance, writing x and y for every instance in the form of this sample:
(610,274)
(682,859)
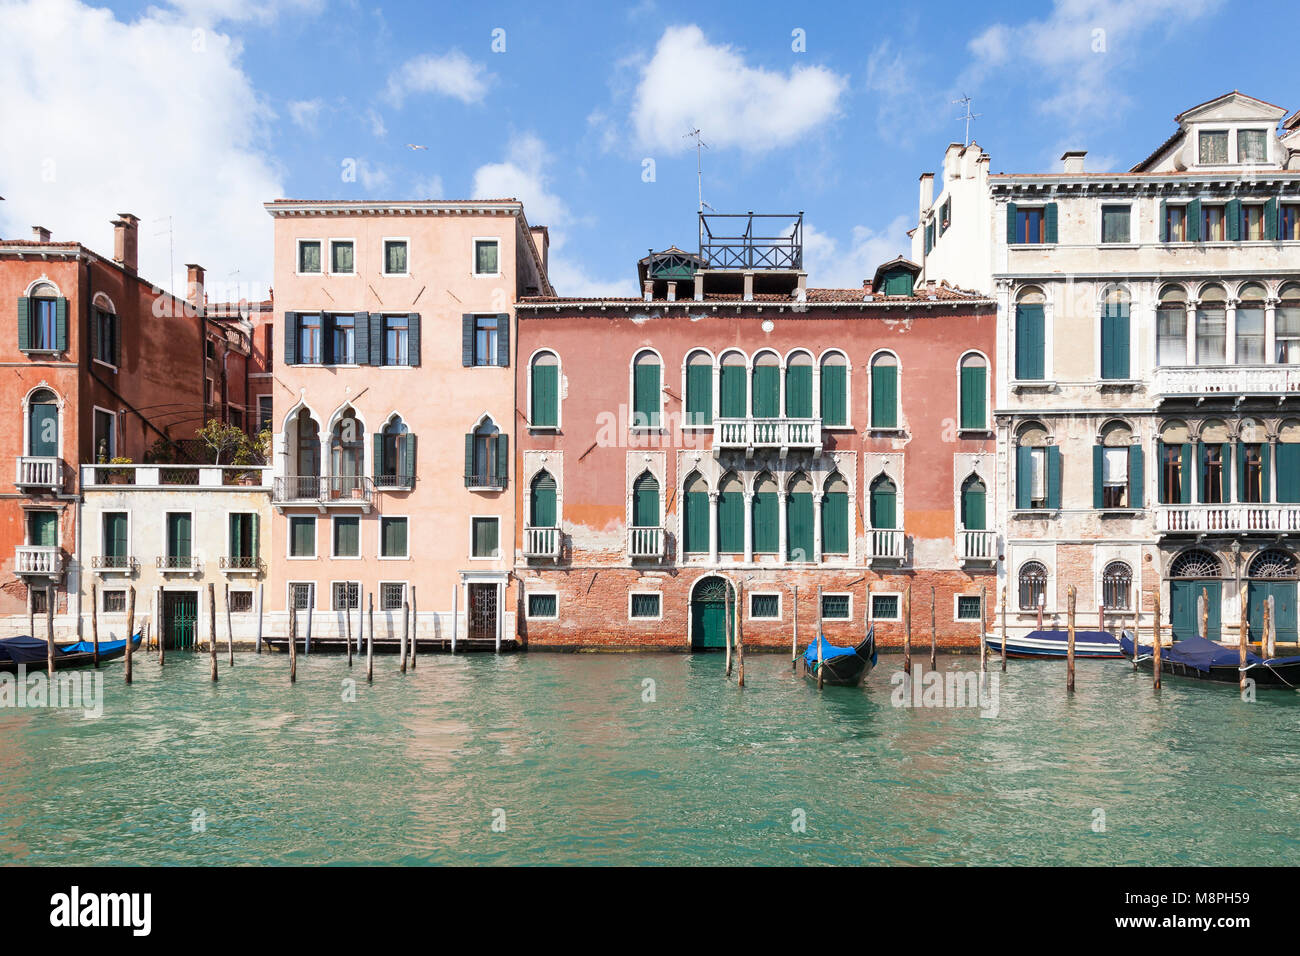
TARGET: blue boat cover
(1092,637)
(829,650)
(24,649)
(88,647)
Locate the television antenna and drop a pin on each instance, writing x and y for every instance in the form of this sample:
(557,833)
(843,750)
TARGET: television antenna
(965,101)
(700,145)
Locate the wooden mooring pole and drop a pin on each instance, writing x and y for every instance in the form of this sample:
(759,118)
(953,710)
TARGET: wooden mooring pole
(259,617)
(1243,637)
(727,627)
(293,638)
(370,642)
(1266,640)
(1069,640)
(933,639)
(1205,614)
(311,606)
(49,629)
(1155,641)
(907,630)
(794,640)
(130,630)
(415,626)
(740,637)
(821,644)
(212,628)
(984,645)
(230,632)
(162,636)
(94,620)
(406,627)
(347,622)
(1004,628)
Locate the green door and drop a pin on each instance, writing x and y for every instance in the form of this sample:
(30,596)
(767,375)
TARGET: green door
(180,614)
(1284,601)
(1182,608)
(43,436)
(711,615)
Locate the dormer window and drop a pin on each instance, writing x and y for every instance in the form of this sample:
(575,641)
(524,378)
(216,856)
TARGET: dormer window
(1213,147)
(1252,146)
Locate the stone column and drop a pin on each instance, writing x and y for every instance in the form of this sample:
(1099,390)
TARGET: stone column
(784,500)
(1191,333)
(1230,347)
(1270,330)
(713,527)
(817,528)
(1270,485)
(749,527)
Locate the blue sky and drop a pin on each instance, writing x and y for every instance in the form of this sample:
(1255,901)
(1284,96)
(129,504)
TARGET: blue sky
(201,109)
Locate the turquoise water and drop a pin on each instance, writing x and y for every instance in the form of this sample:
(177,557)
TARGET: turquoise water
(564,750)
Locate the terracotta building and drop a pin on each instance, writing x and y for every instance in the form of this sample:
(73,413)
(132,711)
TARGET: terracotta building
(733,428)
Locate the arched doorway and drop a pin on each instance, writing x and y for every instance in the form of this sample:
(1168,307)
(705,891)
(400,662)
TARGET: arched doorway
(713,609)
(1191,573)
(1273,575)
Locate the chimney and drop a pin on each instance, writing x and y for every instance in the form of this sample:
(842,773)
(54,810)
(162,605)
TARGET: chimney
(40,234)
(194,286)
(1072,161)
(927,191)
(542,240)
(126,241)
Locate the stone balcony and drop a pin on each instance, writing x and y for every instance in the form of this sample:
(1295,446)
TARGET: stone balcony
(40,474)
(38,560)
(1270,519)
(645,543)
(542,543)
(977,547)
(782,435)
(1224,381)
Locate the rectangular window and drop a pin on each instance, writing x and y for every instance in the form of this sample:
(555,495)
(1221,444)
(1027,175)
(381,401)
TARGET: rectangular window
(765,607)
(484,533)
(393,542)
(105,436)
(114,602)
(309,256)
(106,337)
(1211,336)
(1252,146)
(347,537)
(1252,223)
(38,596)
(1250,336)
(1175,224)
(1114,469)
(341,257)
(1038,478)
(485,339)
(1212,473)
(1288,335)
(486,260)
(1031,225)
(345,595)
(835,607)
(242,542)
(1252,474)
(115,544)
(241,602)
(1171,474)
(309,340)
(1289,222)
(968,607)
(945,216)
(396,340)
(1171,335)
(342,339)
(392,595)
(645,606)
(1214,224)
(264,412)
(1213,147)
(302,537)
(44,321)
(179,539)
(543,606)
(302,594)
(1114,223)
(885,607)
(395,257)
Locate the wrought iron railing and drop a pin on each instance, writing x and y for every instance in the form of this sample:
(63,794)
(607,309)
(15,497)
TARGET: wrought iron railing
(748,241)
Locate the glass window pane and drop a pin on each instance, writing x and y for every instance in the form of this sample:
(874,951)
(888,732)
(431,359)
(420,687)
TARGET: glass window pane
(1211,336)
(395,258)
(1252,146)
(341,254)
(1115,224)
(309,257)
(1214,147)
(485,258)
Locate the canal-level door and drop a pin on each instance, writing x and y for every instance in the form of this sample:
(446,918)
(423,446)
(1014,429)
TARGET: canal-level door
(1183,595)
(712,613)
(179,619)
(482,612)
(1273,574)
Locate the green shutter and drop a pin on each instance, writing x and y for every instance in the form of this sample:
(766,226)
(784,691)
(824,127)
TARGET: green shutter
(1012,239)
(798,391)
(469,456)
(377,459)
(502,460)
(766,522)
(1288,473)
(24,323)
(1053,476)
(884,396)
(1049,222)
(1241,470)
(695,526)
(974,507)
(546,394)
(413,337)
(1136,476)
(253,537)
(1098,476)
(731,383)
(347,536)
(1225,455)
(1193,220)
(1024,477)
(645,502)
(699,394)
(291,338)
(1186,466)
(1264,455)
(1030,345)
(406,460)
(834,395)
(1115,342)
(973,400)
(835,522)
(1164,221)
(767,391)
(645,387)
(799,527)
(236,538)
(503,340)
(731,522)
(1270,220)
(1233,212)
(542,507)
(884,506)
(115,535)
(43,528)
(178,535)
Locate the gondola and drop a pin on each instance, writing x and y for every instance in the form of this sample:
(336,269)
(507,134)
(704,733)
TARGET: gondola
(841,666)
(32,653)
(1052,644)
(1200,659)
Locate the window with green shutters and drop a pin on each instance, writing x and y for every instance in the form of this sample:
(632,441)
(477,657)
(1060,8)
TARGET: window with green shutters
(486,257)
(767,386)
(115,540)
(646,391)
(799,521)
(309,259)
(544,409)
(765,607)
(541,503)
(243,539)
(1287,472)
(645,501)
(394,455)
(180,541)
(973,400)
(302,537)
(884,392)
(699,389)
(835,516)
(1031,346)
(543,605)
(644,606)
(393,541)
(43,529)
(798,387)
(883,509)
(766,516)
(974,500)
(486,538)
(732,388)
(731,516)
(1174,480)
(695,518)
(42,320)
(834,391)
(1115,337)
(487,457)
(347,536)
(1252,472)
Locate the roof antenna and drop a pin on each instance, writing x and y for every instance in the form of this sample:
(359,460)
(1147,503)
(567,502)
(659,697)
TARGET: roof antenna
(966,101)
(699,168)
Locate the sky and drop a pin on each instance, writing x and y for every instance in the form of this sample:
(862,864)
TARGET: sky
(191,114)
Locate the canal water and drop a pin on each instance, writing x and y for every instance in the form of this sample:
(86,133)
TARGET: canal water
(622,759)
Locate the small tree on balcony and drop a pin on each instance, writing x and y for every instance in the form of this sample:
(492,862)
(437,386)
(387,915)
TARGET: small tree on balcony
(229,445)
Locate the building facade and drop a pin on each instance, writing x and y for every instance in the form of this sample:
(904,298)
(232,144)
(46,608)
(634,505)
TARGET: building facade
(733,435)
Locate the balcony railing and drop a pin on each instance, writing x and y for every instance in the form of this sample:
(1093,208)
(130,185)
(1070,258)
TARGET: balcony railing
(184,564)
(235,564)
(489,481)
(176,476)
(38,559)
(40,473)
(978,545)
(351,490)
(759,434)
(883,545)
(1171,381)
(542,543)
(748,241)
(645,543)
(1237,518)
(113,563)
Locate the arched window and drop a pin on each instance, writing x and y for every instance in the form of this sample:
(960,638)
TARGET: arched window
(1212,327)
(974,513)
(1287,325)
(1033,585)
(487,456)
(733,401)
(695,523)
(645,501)
(1215,466)
(1273,563)
(43,320)
(731,515)
(1115,335)
(1117,468)
(647,397)
(699,389)
(105,344)
(1250,326)
(1116,585)
(347,454)
(1175,476)
(544,408)
(973,398)
(767,385)
(766,516)
(1038,469)
(541,501)
(1195,564)
(835,515)
(835,389)
(1031,334)
(1171,326)
(394,463)
(43,427)
(306,446)
(798,386)
(884,390)
(884,503)
(799,520)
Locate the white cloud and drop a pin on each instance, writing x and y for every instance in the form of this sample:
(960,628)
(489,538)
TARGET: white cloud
(372,176)
(306,114)
(689,82)
(427,187)
(210,12)
(452,74)
(115,123)
(830,267)
(376,120)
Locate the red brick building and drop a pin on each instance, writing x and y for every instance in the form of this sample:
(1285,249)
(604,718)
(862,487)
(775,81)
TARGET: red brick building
(733,428)
(99,365)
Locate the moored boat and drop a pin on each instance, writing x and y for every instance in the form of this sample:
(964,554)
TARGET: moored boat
(841,666)
(1052,644)
(1199,659)
(32,653)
